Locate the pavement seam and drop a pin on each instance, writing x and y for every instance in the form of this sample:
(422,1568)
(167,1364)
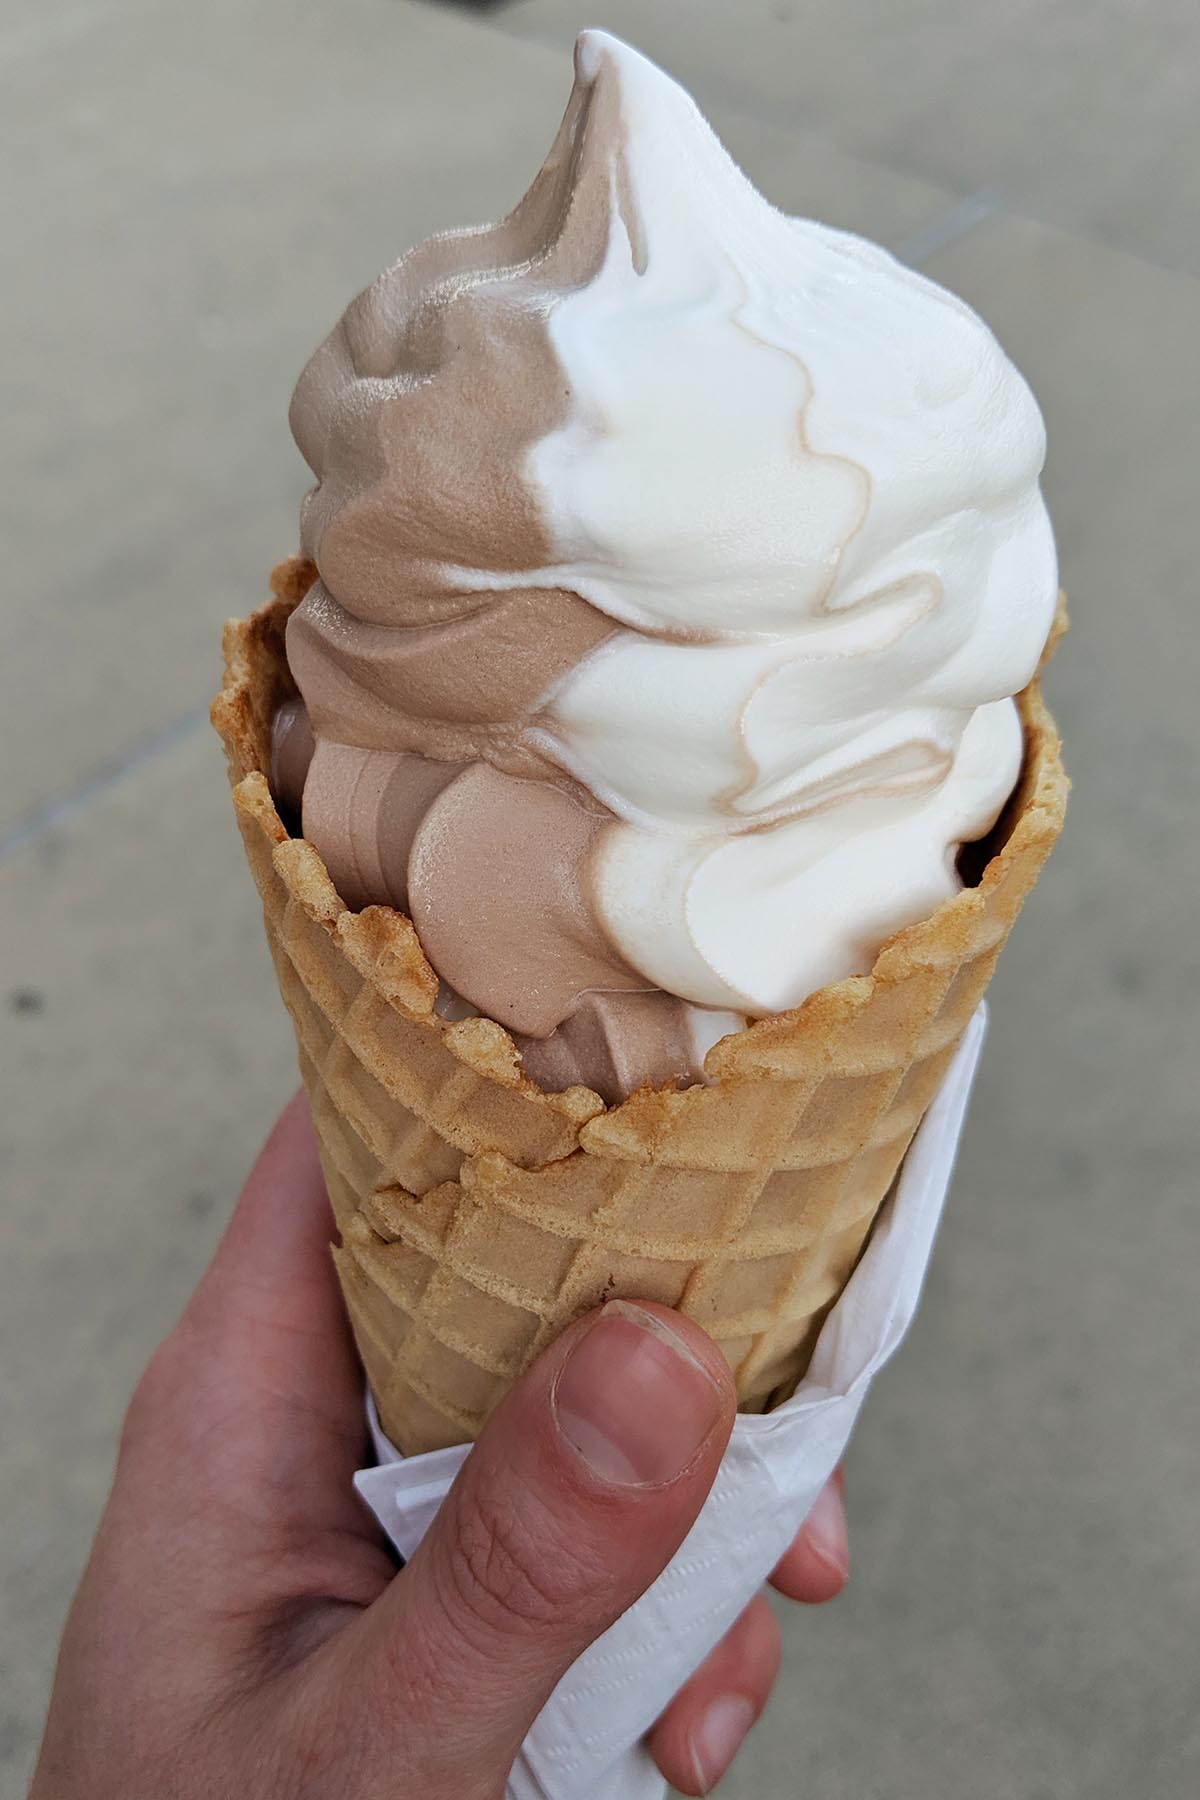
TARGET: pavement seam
(42,819)
(944,229)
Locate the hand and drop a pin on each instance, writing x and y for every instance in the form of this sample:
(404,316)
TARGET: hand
(241,1630)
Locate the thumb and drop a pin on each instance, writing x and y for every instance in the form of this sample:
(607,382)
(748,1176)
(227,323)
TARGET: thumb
(582,1486)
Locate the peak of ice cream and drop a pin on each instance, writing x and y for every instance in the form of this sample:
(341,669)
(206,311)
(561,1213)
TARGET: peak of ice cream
(678,562)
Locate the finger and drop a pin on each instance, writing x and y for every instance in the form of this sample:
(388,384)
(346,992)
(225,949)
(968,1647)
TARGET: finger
(274,1254)
(703,1728)
(269,1299)
(254,1402)
(272,1291)
(816,1564)
(579,1491)
(231,1539)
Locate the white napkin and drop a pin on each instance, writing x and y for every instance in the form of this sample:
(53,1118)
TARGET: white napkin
(586,1743)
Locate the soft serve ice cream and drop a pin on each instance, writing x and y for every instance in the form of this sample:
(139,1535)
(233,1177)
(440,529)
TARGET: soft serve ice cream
(678,561)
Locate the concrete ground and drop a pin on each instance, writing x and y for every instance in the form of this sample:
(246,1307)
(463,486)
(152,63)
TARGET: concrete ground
(190,195)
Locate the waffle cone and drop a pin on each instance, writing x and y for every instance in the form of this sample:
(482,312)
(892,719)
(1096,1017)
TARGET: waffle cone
(479,1215)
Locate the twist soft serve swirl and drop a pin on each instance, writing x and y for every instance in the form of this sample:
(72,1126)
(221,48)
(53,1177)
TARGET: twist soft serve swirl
(720,528)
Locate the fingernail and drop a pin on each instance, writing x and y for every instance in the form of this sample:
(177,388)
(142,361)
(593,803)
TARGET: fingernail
(718,1736)
(825,1529)
(633,1400)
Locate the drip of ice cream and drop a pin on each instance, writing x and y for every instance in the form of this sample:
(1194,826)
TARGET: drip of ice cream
(678,562)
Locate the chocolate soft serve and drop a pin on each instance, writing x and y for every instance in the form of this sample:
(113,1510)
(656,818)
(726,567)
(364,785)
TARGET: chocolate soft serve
(677,564)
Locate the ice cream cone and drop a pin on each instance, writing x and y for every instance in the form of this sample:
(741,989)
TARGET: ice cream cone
(479,1215)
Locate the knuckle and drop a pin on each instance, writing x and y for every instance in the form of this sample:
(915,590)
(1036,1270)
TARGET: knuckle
(495,1570)
(507,1572)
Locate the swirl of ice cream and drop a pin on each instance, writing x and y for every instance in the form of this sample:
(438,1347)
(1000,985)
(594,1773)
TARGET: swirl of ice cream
(678,562)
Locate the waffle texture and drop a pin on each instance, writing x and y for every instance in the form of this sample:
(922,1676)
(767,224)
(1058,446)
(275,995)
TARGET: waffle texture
(479,1215)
